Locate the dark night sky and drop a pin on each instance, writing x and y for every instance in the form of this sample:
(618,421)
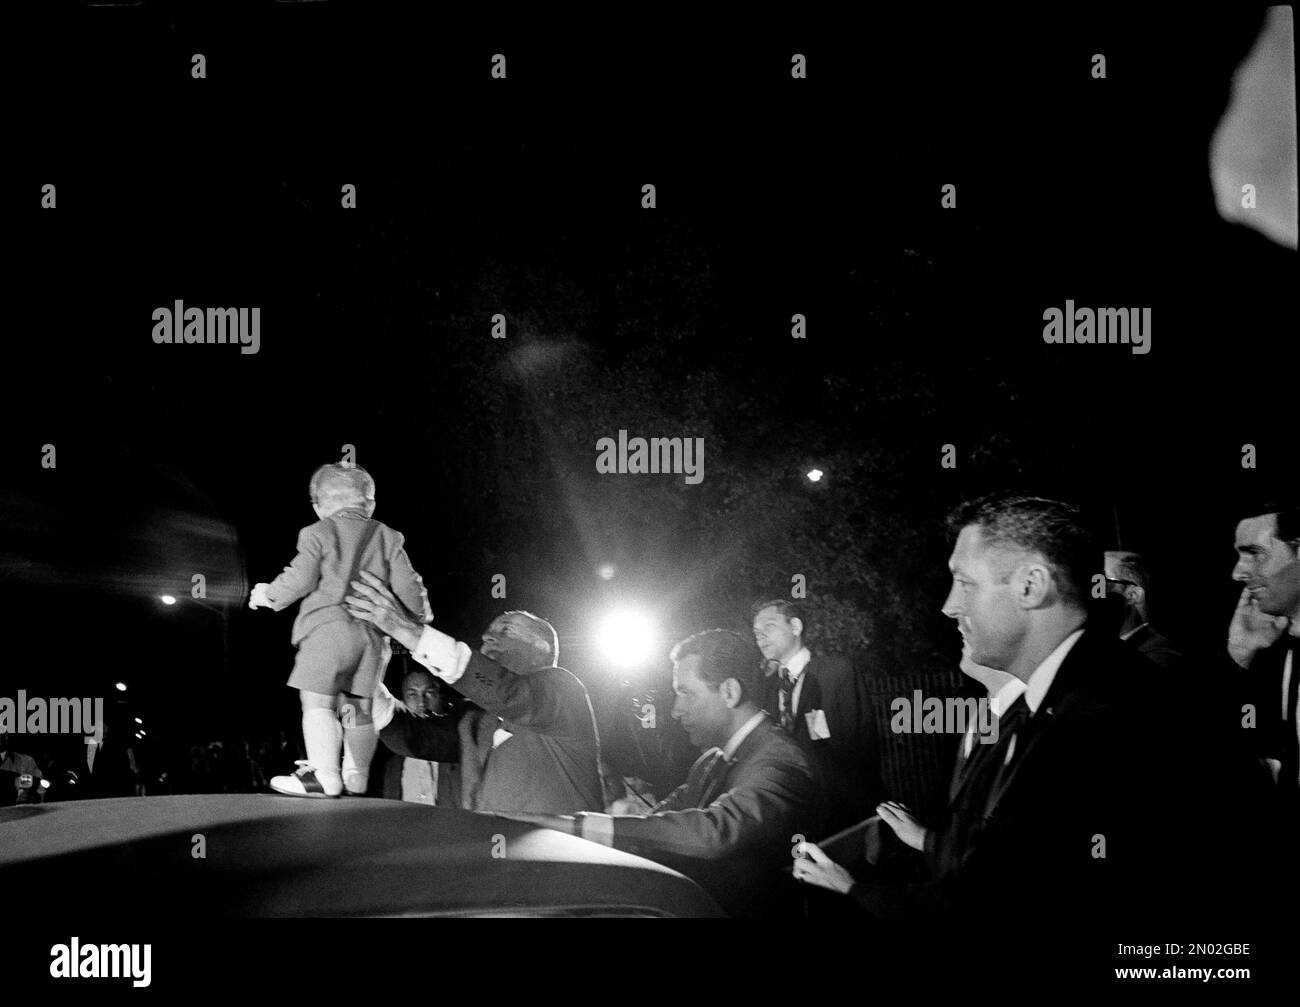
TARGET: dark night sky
(925,325)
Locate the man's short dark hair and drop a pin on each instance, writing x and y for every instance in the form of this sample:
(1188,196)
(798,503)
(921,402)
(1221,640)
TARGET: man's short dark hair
(1051,528)
(723,655)
(1288,523)
(1287,515)
(789,609)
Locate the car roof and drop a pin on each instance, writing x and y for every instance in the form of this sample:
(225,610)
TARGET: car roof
(267,855)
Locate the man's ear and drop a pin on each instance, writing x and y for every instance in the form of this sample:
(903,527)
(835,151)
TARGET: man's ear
(730,691)
(1033,583)
(796,624)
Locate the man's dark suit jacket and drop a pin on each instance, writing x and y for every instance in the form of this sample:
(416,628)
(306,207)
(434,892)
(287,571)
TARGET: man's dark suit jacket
(849,760)
(733,834)
(1274,736)
(112,775)
(968,792)
(1112,805)
(548,766)
(1116,761)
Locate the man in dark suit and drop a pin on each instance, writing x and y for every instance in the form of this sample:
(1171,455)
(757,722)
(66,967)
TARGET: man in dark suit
(1129,581)
(1264,641)
(1083,822)
(1105,787)
(531,746)
(824,703)
(748,800)
(896,828)
(422,781)
(111,769)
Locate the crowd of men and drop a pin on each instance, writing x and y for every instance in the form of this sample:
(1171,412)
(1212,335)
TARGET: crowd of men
(117,765)
(1121,778)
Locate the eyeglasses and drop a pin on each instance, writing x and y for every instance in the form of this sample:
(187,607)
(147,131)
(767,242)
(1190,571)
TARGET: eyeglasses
(1116,580)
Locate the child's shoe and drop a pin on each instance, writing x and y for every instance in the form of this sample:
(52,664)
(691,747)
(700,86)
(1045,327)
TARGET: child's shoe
(306,782)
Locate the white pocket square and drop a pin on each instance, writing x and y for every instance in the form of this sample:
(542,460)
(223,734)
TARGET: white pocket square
(818,729)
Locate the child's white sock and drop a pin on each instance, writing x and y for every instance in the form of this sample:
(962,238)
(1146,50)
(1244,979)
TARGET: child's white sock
(359,744)
(323,737)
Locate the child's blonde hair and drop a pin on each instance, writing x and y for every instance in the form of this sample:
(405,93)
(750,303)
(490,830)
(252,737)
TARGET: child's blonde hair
(343,484)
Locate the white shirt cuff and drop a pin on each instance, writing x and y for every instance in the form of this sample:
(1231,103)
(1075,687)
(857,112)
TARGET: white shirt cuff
(383,708)
(597,828)
(442,655)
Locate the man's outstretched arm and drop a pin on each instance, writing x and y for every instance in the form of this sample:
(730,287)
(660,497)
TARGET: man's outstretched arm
(433,739)
(537,701)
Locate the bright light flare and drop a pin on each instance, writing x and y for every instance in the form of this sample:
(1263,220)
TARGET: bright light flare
(626,639)
(167,599)
(121,687)
(815,475)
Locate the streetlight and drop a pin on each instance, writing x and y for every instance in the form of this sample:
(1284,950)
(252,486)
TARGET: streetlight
(626,638)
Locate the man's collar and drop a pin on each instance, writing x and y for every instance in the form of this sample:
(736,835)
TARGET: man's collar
(735,741)
(1041,680)
(797,663)
(1004,697)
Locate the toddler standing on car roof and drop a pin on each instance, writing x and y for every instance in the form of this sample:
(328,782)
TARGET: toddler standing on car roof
(340,659)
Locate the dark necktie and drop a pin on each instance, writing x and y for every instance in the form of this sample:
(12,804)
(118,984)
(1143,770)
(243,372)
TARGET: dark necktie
(787,700)
(1012,738)
(981,750)
(710,779)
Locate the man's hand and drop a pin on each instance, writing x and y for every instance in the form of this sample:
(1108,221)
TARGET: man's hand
(258,598)
(814,867)
(372,602)
(1252,630)
(903,822)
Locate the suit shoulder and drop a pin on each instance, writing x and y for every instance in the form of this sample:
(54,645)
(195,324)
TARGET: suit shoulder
(835,667)
(564,678)
(775,746)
